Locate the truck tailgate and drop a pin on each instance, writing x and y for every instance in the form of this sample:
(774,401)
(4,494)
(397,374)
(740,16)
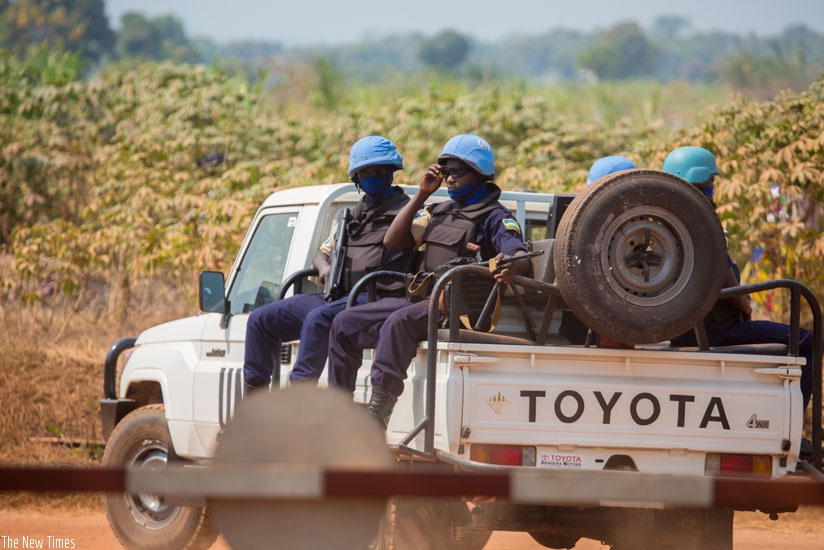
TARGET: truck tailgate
(580,407)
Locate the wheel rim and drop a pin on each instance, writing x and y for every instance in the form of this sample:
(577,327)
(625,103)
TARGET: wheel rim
(148,509)
(645,254)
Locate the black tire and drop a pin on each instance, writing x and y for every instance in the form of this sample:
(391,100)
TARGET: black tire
(639,256)
(414,523)
(551,540)
(144,521)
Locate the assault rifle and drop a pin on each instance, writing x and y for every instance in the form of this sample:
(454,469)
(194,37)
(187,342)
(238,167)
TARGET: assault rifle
(335,284)
(506,261)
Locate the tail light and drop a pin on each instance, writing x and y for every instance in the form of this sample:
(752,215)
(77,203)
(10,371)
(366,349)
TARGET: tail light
(721,464)
(504,455)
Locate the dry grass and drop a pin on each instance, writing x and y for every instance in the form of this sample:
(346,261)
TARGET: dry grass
(51,381)
(47,393)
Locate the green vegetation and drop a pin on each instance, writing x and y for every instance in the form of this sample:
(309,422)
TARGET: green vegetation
(79,26)
(144,171)
(151,172)
(621,52)
(773,188)
(446,51)
(157,38)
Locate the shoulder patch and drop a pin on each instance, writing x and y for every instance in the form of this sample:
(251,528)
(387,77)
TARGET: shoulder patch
(511,225)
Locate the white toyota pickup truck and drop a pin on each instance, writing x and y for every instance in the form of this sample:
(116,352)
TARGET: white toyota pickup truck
(577,372)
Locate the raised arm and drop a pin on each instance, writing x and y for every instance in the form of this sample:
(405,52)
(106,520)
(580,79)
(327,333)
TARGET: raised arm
(398,235)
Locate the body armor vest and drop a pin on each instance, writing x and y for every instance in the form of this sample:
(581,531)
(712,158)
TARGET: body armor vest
(453,226)
(366,252)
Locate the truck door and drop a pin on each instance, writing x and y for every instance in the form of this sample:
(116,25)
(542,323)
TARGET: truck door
(258,273)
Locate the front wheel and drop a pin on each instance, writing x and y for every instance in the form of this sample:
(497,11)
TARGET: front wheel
(144,521)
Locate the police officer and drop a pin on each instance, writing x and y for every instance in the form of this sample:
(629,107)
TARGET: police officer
(372,163)
(472,224)
(729,322)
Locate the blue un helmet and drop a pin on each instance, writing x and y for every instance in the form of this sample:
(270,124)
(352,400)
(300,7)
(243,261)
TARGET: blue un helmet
(694,164)
(607,165)
(373,151)
(472,150)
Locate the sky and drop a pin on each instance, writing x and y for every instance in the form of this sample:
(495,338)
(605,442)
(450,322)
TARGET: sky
(330,22)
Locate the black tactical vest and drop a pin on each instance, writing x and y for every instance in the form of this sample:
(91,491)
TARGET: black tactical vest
(366,252)
(453,226)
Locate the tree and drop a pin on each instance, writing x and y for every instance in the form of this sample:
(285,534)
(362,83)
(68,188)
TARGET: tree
(447,50)
(170,30)
(73,25)
(621,52)
(784,63)
(45,138)
(138,37)
(157,38)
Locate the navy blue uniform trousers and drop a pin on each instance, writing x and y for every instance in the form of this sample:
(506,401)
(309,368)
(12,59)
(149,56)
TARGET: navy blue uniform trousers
(734,332)
(392,326)
(307,317)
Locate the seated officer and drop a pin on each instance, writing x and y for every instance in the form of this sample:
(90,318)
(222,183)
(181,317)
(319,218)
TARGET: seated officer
(729,322)
(605,166)
(472,224)
(308,317)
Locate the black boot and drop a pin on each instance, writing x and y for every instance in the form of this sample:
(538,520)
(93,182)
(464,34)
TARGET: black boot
(381,405)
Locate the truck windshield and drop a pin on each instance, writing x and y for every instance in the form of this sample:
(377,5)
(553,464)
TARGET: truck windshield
(261,270)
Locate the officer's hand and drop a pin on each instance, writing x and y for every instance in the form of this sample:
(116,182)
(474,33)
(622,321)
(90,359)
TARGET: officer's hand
(431,179)
(505,274)
(323,273)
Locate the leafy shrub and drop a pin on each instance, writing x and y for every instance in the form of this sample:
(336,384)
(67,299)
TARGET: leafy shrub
(153,171)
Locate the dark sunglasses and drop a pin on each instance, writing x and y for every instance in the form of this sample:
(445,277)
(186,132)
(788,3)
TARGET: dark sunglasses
(373,172)
(456,173)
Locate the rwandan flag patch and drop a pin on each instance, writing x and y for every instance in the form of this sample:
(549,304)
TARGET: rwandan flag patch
(512,225)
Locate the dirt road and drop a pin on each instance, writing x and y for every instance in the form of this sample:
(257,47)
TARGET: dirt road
(90,531)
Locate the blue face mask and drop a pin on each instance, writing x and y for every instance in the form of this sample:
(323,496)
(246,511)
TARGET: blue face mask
(375,187)
(468,194)
(707,190)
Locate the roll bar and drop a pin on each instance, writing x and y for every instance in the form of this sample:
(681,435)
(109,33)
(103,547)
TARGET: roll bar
(797,290)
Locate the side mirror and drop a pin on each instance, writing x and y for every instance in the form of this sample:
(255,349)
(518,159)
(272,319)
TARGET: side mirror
(212,292)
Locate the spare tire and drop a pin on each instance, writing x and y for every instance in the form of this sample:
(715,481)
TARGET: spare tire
(639,256)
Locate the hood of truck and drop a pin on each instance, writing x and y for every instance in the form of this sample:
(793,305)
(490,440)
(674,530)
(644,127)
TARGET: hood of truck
(187,329)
